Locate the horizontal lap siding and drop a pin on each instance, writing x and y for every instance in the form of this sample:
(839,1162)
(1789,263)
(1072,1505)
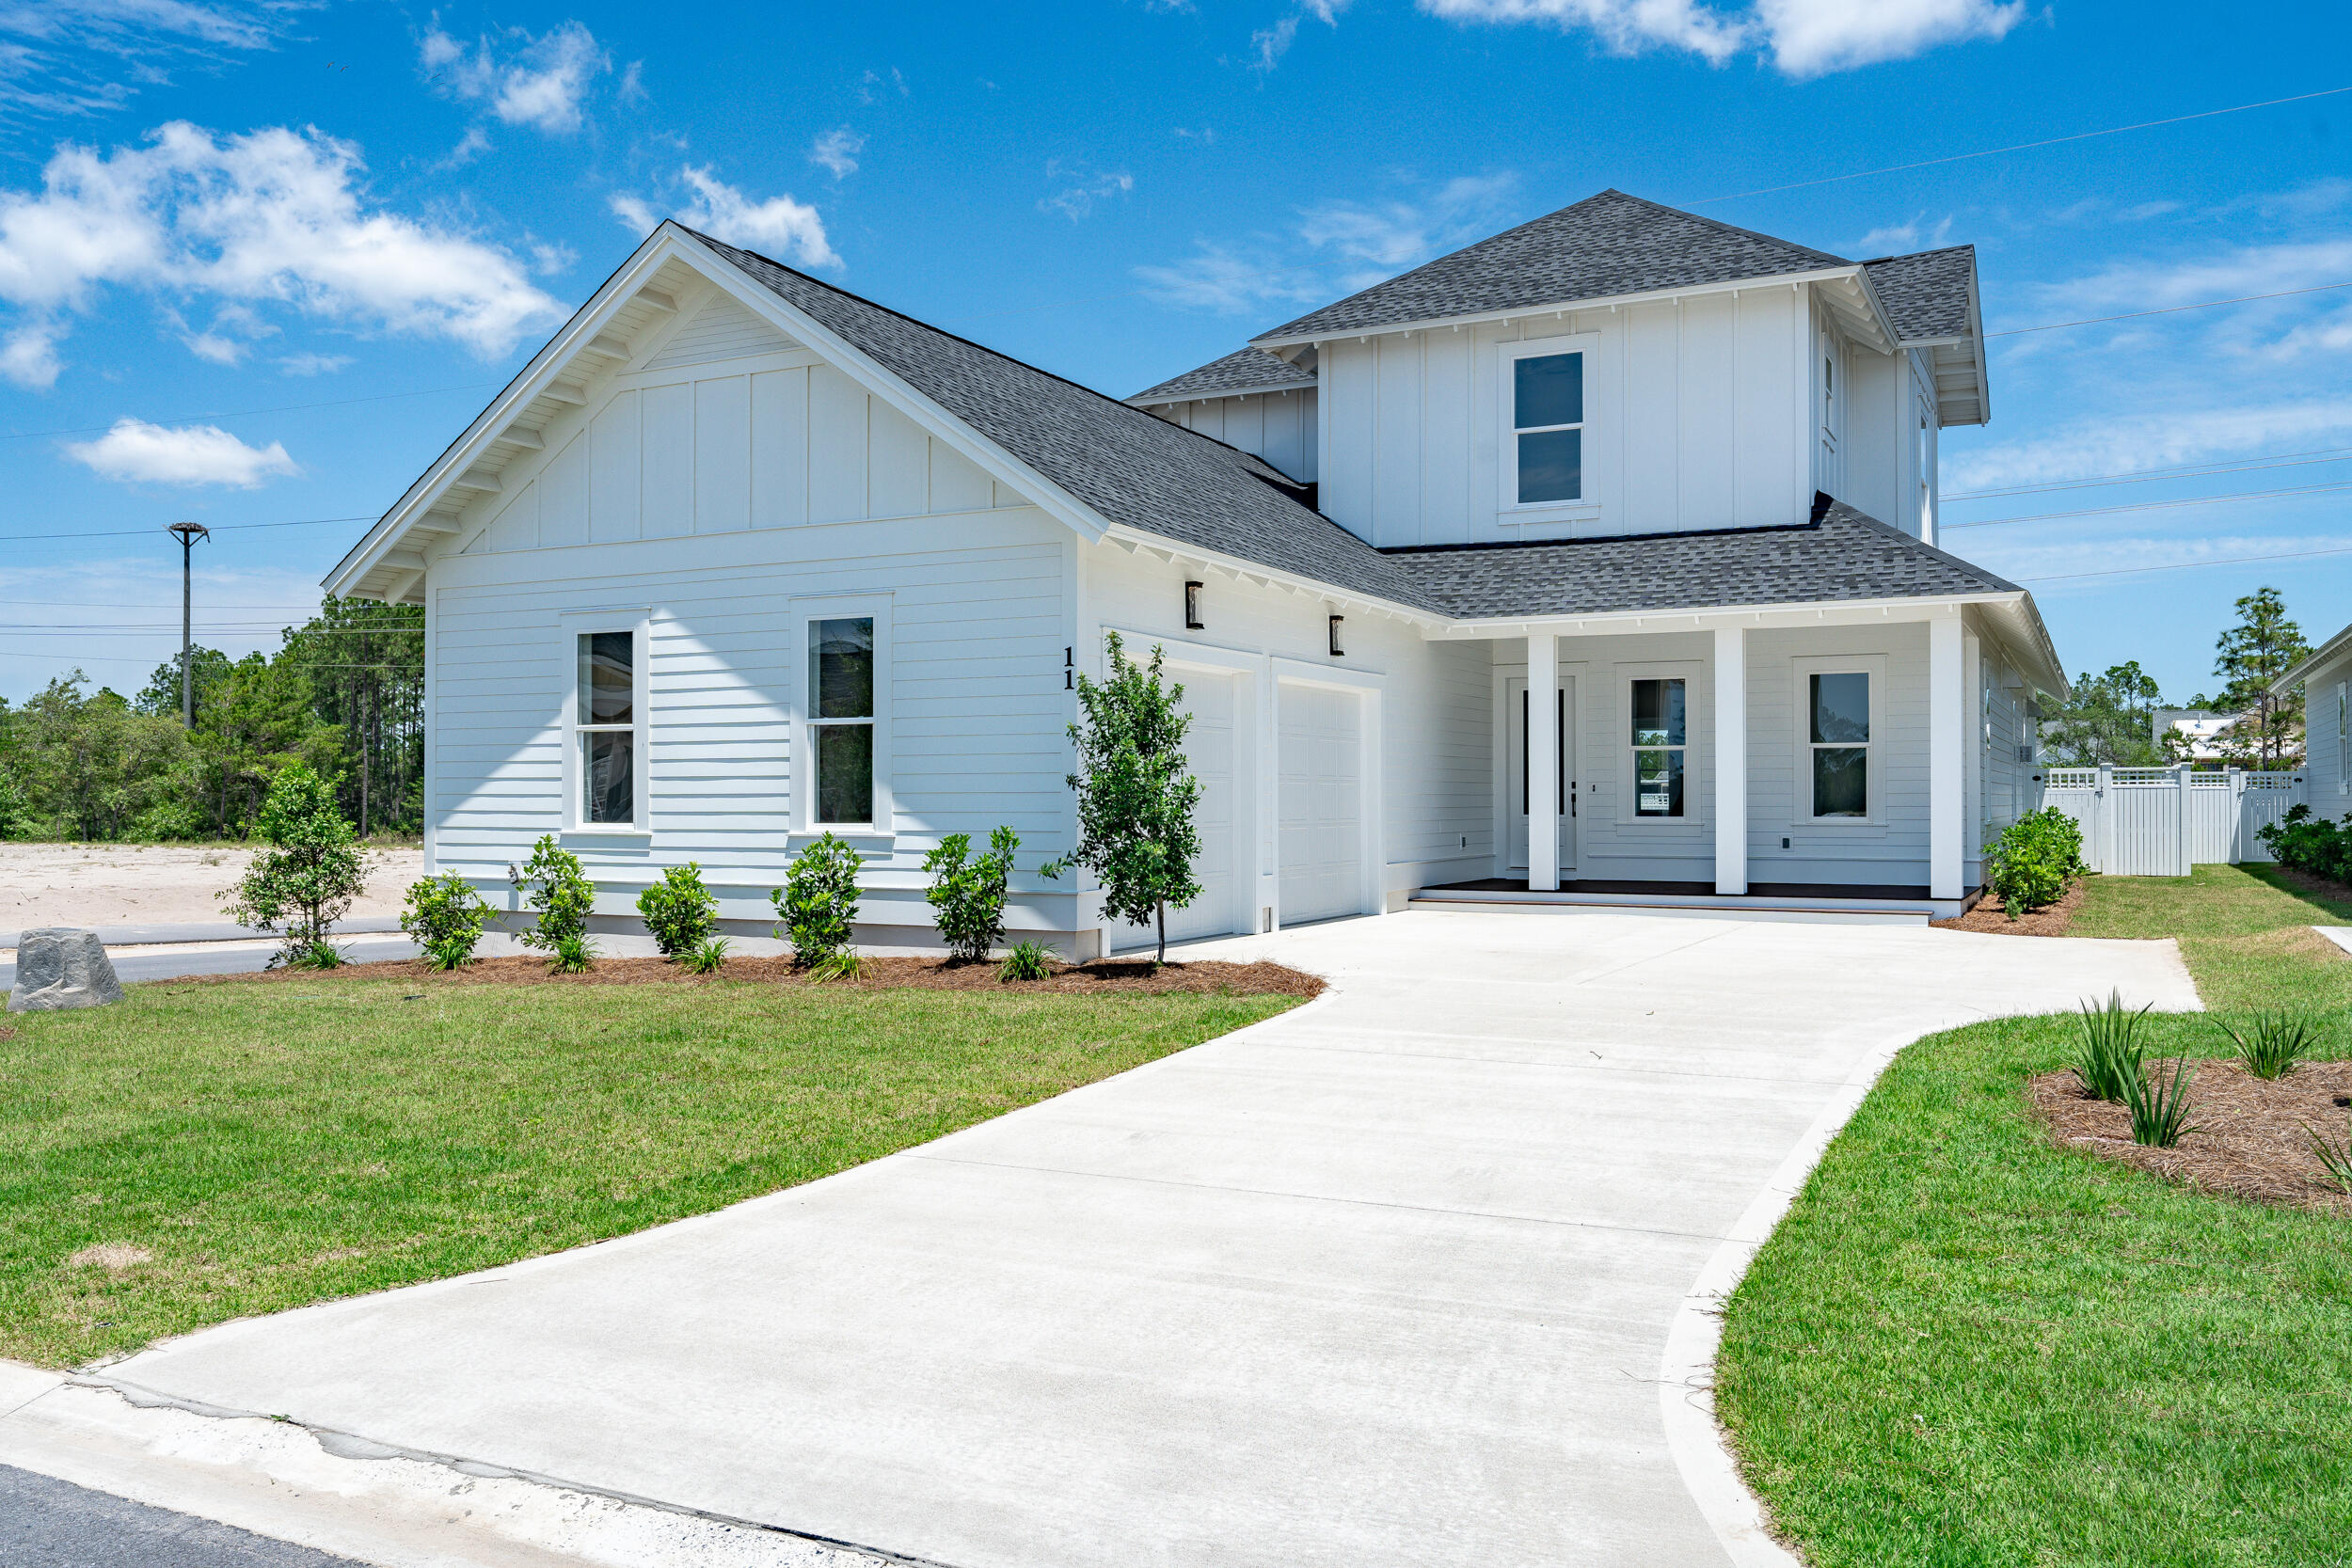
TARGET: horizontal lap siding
(1893,852)
(974,682)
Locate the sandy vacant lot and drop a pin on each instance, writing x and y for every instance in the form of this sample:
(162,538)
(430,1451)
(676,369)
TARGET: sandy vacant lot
(131,884)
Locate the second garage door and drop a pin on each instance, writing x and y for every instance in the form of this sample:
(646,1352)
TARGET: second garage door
(1322,804)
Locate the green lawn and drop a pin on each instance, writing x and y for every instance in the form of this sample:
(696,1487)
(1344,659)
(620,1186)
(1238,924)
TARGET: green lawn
(272,1144)
(1965,1346)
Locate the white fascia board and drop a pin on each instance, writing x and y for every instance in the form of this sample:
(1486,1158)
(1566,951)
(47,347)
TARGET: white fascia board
(886,383)
(1888,341)
(1212,397)
(2326,653)
(546,366)
(1334,335)
(1706,617)
(1175,551)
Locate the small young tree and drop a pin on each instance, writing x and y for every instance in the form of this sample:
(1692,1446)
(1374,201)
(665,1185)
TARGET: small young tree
(1136,793)
(308,876)
(2262,646)
(967,893)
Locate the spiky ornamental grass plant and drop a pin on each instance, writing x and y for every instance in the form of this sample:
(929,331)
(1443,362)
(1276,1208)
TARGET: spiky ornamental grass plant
(2159,1105)
(308,878)
(1028,961)
(1135,794)
(2334,1155)
(2108,1062)
(2274,1042)
(707,957)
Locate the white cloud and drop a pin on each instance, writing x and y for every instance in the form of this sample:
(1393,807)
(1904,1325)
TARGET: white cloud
(1082,186)
(273,216)
(84,56)
(1391,236)
(2095,560)
(136,453)
(312,364)
(1268,45)
(1216,277)
(2154,437)
(1804,38)
(780,227)
(540,81)
(1919,234)
(836,150)
(870,85)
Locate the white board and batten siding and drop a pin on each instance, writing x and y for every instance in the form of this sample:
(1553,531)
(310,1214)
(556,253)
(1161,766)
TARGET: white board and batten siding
(1277,426)
(1694,409)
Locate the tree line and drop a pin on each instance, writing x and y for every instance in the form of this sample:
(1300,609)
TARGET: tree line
(344,694)
(2110,718)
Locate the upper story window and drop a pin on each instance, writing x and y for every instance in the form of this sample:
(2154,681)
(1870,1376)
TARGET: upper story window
(1547,427)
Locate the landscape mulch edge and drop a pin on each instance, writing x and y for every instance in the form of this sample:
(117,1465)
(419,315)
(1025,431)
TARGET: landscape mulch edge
(2049,921)
(1103,978)
(2248,1137)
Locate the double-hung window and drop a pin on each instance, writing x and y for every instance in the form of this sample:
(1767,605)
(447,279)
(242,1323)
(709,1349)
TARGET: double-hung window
(1838,721)
(1545,408)
(841,720)
(607,724)
(1660,742)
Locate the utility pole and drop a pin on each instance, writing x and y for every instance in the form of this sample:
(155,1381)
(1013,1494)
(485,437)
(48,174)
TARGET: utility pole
(187,534)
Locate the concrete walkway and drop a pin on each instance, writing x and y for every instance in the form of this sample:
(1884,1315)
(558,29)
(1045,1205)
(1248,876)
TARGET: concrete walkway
(1386,1281)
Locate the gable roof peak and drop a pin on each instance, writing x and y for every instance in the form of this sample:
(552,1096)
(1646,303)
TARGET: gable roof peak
(1610,243)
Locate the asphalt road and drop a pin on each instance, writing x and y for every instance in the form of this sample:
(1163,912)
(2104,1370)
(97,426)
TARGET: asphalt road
(52,1524)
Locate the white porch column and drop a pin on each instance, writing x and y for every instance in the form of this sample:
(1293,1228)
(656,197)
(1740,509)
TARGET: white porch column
(1731,759)
(1948,732)
(1543,762)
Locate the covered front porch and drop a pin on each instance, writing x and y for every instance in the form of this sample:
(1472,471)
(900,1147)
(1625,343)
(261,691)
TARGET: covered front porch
(1825,760)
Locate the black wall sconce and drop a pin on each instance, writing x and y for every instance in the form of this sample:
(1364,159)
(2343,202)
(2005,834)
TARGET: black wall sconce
(1336,621)
(1192,607)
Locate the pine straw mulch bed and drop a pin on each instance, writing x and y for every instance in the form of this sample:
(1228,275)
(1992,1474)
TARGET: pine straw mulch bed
(2303,881)
(1103,978)
(2249,1139)
(2049,921)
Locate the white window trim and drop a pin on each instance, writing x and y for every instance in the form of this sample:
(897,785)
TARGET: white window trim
(881,832)
(1508,506)
(574,625)
(2344,739)
(1698,717)
(1801,671)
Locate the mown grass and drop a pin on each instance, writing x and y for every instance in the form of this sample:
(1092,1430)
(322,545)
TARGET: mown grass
(1965,1346)
(269,1145)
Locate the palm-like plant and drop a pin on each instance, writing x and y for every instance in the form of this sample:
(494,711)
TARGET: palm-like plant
(2159,1105)
(2274,1041)
(2108,1062)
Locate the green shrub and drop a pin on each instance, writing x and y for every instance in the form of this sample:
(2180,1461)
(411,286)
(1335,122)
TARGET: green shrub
(1028,960)
(444,916)
(707,957)
(967,896)
(679,911)
(554,882)
(2108,1062)
(2159,1105)
(311,873)
(2312,845)
(2035,860)
(164,821)
(2274,1042)
(574,954)
(817,903)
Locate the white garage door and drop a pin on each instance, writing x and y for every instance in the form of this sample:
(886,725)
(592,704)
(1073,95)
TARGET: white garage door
(1208,748)
(1322,807)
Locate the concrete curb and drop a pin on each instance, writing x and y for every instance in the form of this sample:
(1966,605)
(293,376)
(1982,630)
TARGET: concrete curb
(1686,1386)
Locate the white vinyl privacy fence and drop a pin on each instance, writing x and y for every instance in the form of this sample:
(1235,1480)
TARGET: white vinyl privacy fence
(2160,821)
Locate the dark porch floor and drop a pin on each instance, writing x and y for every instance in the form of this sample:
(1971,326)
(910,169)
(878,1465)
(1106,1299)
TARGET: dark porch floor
(1690,890)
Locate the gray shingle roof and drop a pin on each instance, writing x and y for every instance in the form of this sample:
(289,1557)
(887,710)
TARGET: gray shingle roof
(1926,294)
(1129,465)
(1606,244)
(1244,369)
(1136,469)
(1841,554)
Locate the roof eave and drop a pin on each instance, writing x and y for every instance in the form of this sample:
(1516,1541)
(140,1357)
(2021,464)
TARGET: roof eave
(2326,652)
(1153,400)
(1132,539)
(1559,307)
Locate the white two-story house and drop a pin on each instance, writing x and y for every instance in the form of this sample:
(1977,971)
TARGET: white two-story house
(1625,514)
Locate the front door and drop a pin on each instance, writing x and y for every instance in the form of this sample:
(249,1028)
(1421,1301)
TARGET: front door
(1515,703)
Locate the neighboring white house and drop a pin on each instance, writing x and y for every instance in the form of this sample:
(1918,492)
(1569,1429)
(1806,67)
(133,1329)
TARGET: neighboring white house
(2325,678)
(2199,731)
(1589,514)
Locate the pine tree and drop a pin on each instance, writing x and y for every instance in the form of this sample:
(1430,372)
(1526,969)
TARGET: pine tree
(2249,656)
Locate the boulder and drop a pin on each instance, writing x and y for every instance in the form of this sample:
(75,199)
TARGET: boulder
(62,967)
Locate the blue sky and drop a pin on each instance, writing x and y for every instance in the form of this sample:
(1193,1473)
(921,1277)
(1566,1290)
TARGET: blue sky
(259,262)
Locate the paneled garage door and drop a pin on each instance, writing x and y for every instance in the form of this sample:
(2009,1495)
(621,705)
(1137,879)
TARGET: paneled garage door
(1322,804)
(1208,748)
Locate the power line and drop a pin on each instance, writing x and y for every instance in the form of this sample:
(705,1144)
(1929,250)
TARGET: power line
(2023,146)
(2186,566)
(250,412)
(2129,476)
(2170,309)
(142,533)
(2160,506)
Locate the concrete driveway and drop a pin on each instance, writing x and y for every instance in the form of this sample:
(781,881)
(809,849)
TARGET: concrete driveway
(1388,1280)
